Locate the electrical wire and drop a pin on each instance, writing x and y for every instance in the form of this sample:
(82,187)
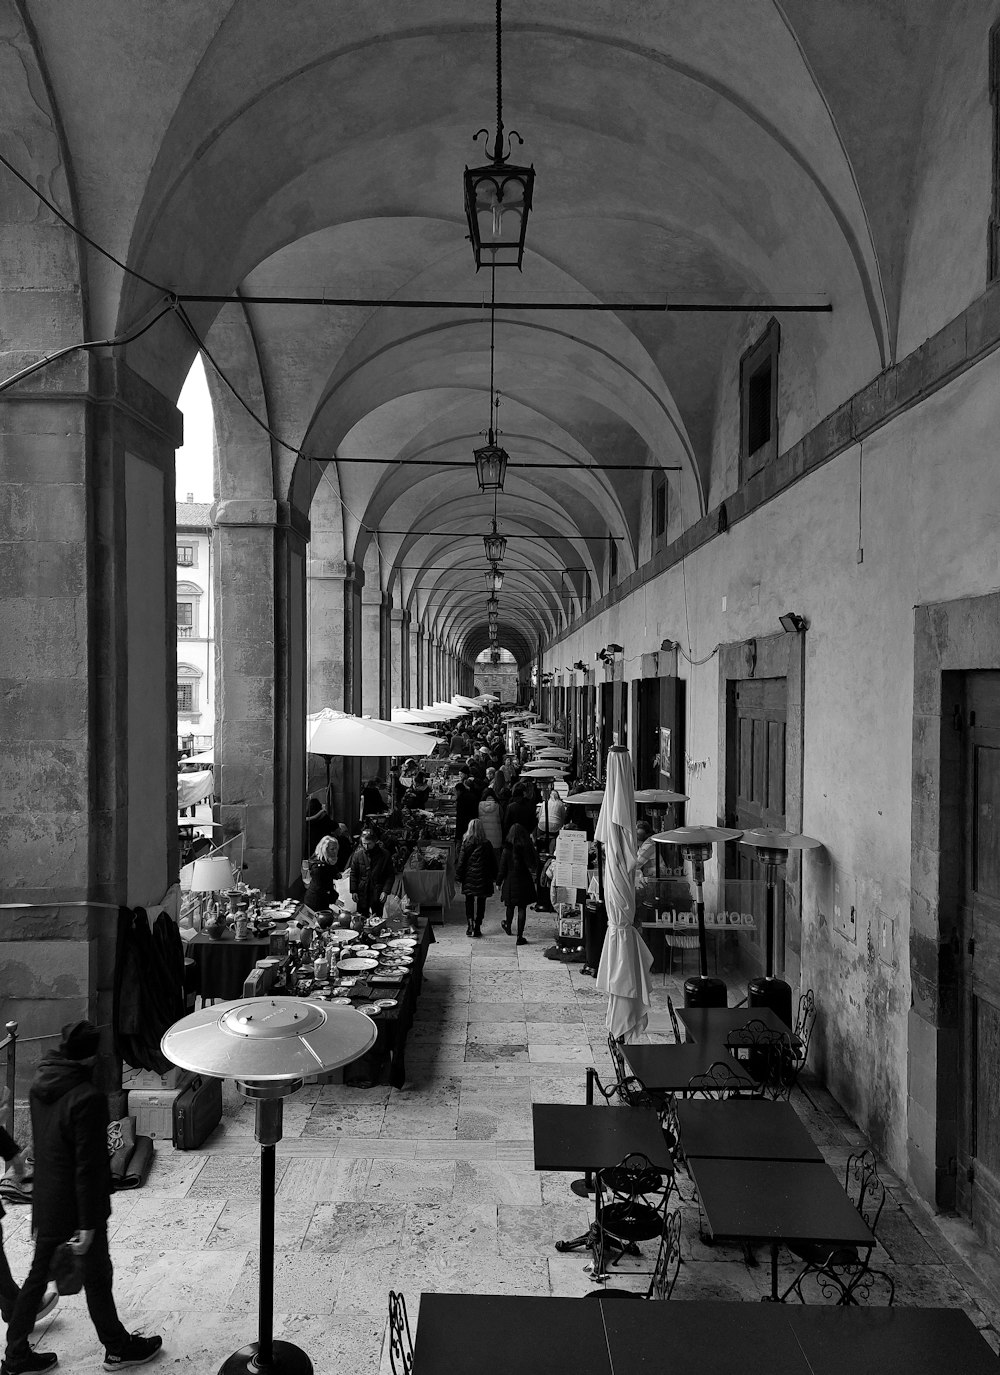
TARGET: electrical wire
(87,344)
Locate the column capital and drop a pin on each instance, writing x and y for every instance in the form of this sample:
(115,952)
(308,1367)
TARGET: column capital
(322,569)
(245,511)
(372,596)
(397,616)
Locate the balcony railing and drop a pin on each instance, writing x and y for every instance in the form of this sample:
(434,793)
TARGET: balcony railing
(185,632)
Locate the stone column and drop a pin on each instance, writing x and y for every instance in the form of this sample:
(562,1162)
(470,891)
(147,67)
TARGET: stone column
(260,662)
(397,642)
(88,797)
(371,649)
(385,658)
(347,798)
(413,636)
(325,614)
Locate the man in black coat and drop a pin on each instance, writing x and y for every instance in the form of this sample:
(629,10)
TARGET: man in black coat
(71,1202)
(16,1158)
(468,794)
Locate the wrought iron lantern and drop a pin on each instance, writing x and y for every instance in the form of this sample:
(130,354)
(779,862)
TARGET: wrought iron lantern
(494,544)
(494,656)
(491,463)
(498,195)
(494,577)
(493,603)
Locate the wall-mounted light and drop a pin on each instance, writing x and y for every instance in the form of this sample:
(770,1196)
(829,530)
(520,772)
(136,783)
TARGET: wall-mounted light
(615,649)
(792,624)
(668,645)
(580,665)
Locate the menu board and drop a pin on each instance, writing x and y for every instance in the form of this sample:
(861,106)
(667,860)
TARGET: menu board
(570,868)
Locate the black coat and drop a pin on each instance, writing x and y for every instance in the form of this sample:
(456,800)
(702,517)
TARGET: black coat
(477,868)
(517,874)
(522,811)
(467,799)
(8,1149)
(320,890)
(69,1128)
(372,874)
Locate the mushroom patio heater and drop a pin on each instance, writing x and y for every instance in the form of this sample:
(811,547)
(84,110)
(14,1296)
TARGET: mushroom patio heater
(696,846)
(656,799)
(771,848)
(269,1046)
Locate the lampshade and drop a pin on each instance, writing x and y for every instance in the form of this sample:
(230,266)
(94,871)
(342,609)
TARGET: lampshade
(491,465)
(211,875)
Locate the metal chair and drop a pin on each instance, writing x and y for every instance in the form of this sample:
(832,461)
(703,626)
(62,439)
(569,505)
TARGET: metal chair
(400,1341)
(805,1020)
(844,1273)
(678,1038)
(767,1056)
(631,1208)
(668,1261)
(9,1046)
(629,1089)
(718,1081)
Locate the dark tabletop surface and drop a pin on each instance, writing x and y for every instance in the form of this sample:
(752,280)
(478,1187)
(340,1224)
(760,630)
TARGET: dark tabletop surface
(467,1334)
(473,1334)
(669,1067)
(777,1200)
(713,1024)
(577,1137)
(744,1129)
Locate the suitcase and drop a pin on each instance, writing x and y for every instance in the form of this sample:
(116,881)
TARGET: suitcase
(197,1112)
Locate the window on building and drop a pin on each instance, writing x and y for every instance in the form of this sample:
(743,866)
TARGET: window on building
(185,697)
(659,511)
(759,403)
(185,555)
(185,620)
(612,561)
(187,689)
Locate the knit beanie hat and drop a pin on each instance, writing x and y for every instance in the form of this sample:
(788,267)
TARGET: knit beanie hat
(79,1040)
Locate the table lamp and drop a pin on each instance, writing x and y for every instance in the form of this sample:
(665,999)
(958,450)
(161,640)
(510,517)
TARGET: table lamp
(771,848)
(695,844)
(214,874)
(269,1046)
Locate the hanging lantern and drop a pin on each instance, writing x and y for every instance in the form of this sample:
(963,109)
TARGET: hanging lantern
(491,465)
(494,656)
(494,544)
(494,578)
(492,603)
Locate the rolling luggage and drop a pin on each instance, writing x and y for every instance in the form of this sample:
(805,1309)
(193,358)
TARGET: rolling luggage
(197,1112)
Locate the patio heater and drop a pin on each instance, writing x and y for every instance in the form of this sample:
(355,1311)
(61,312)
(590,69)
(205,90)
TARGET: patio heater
(771,848)
(269,1046)
(695,844)
(657,799)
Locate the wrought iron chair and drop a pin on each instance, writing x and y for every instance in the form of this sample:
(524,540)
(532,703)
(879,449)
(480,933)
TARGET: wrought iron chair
(767,1056)
(629,1089)
(668,1261)
(719,1081)
(631,1208)
(400,1341)
(845,1273)
(678,1038)
(805,1020)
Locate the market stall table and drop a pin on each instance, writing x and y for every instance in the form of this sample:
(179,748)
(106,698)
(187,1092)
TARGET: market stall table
(224,964)
(744,1129)
(790,1201)
(429,887)
(393,1024)
(467,1334)
(669,1068)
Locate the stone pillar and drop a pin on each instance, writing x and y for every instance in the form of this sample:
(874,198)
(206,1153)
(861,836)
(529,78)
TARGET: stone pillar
(347,800)
(413,664)
(325,615)
(398,642)
(386,656)
(371,650)
(88,782)
(260,663)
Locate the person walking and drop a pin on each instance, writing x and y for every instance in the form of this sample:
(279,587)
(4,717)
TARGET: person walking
(517,878)
(476,870)
(17,1161)
(467,795)
(71,1202)
(372,874)
(489,815)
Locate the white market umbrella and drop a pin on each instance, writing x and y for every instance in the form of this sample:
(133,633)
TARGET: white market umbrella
(338,734)
(626,960)
(469,703)
(427,715)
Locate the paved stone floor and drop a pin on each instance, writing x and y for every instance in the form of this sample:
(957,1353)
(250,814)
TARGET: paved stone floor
(432,1187)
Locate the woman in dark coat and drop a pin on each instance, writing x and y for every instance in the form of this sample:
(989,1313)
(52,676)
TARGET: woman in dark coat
(476,870)
(319,872)
(518,864)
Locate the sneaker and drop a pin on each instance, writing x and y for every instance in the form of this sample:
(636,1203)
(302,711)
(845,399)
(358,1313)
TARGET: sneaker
(520,941)
(48,1304)
(35,1360)
(138,1351)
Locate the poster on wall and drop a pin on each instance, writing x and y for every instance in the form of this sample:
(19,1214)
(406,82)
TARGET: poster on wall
(665,760)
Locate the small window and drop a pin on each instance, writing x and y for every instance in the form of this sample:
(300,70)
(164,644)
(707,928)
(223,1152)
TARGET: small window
(659,511)
(186,697)
(759,403)
(185,555)
(185,613)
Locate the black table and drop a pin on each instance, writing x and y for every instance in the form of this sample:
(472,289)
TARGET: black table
(568,1136)
(224,964)
(392,1024)
(467,1334)
(711,1025)
(744,1129)
(471,1334)
(777,1201)
(668,1068)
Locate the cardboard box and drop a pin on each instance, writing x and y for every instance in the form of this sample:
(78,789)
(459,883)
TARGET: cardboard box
(147,1079)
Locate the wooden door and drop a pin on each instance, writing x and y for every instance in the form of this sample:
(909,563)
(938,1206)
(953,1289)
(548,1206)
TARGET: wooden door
(978,1182)
(755,791)
(647,739)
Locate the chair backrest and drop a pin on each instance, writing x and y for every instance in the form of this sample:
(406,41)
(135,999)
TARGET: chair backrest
(400,1341)
(9,1046)
(617,1058)
(673,1020)
(668,1259)
(767,1056)
(632,1181)
(864,1186)
(718,1081)
(805,1020)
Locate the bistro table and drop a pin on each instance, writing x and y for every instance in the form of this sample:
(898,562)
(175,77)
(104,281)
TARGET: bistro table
(571,1136)
(744,1129)
(669,1068)
(467,1334)
(711,1025)
(224,964)
(791,1201)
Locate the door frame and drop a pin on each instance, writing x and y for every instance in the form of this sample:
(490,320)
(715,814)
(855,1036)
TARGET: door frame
(772,656)
(948,637)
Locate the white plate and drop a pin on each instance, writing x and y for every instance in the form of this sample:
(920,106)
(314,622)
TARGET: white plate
(405,961)
(353,965)
(379,945)
(386,1002)
(402,943)
(342,1002)
(369,1009)
(342,936)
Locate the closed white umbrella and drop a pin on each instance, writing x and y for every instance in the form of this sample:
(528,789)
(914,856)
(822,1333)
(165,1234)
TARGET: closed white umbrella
(626,960)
